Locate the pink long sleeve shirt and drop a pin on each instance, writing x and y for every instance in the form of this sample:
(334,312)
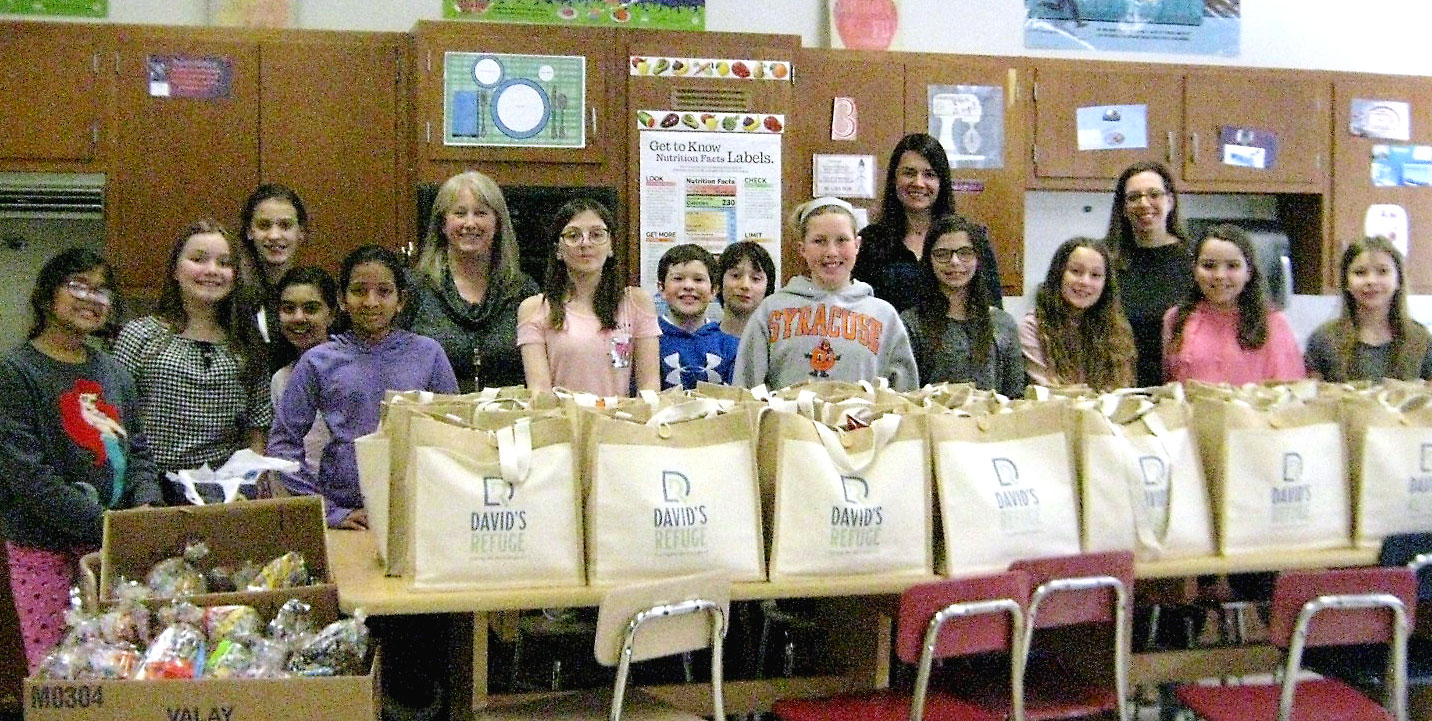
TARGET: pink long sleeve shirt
(1209,350)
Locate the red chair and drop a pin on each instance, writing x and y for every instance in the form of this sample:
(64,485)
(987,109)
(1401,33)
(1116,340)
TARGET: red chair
(1323,608)
(939,620)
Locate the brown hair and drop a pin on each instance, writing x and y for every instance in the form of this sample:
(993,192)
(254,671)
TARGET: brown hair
(241,328)
(1252,305)
(1095,346)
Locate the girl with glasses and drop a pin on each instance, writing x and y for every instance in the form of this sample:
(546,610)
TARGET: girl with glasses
(1076,333)
(956,335)
(71,441)
(587,331)
(200,361)
(1149,250)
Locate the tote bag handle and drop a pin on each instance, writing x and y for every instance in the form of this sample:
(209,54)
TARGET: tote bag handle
(884,429)
(514,451)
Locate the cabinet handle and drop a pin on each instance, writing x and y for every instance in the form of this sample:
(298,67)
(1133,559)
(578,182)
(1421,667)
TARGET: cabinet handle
(1168,152)
(1193,159)
(594,120)
(1012,91)
(428,132)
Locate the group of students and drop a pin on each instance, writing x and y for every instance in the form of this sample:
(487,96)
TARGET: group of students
(247,349)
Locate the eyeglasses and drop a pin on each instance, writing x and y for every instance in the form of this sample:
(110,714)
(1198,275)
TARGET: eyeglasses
(596,236)
(944,255)
(1153,196)
(83,291)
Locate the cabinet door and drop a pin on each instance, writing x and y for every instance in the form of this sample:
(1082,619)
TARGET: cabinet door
(1295,111)
(51,94)
(329,129)
(181,158)
(572,105)
(1353,190)
(1060,93)
(988,178)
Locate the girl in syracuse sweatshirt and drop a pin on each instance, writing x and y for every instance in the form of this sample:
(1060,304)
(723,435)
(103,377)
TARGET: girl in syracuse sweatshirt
(823,325)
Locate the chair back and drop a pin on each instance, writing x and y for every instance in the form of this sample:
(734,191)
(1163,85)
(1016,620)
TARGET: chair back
(669,624)
(963,634)
(1340,625)
(1083,588)
(1413,550)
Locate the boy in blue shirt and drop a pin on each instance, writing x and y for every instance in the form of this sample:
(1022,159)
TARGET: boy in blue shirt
(692,349)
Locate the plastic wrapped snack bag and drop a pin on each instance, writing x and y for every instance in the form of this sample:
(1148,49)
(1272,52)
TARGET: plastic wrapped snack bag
(287,571)
(338,650)
(292,622)
(244,468)
(179,650)
(179,576)
(225,622)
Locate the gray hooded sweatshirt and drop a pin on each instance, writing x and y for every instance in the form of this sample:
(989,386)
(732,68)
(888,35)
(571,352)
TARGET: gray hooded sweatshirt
(806,333)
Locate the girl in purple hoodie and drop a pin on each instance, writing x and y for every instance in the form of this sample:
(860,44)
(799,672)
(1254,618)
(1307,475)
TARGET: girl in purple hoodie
(344,380)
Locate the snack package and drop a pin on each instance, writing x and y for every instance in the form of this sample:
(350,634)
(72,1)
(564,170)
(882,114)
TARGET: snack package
(292,621)
(231,658)
(225,622)
(86,654)
(127,621)
(338,650)
(270,657)
(179,650)
(179,576)
(286,571)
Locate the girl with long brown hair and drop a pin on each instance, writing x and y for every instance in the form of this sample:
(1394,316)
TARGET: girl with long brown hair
(1077,333)
(1374,338)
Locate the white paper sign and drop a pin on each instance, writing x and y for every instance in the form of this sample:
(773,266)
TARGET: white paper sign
(845,176)
(708,188)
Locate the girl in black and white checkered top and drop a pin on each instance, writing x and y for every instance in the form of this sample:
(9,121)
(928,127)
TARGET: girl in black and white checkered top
(199,362)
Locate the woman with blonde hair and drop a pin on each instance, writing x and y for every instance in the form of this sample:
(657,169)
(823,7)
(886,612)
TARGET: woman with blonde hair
(469,282)
(1077,333)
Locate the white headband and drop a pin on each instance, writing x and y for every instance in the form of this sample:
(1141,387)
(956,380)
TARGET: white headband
(810,206)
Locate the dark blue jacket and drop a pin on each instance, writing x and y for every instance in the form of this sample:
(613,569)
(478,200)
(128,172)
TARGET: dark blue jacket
(705,354)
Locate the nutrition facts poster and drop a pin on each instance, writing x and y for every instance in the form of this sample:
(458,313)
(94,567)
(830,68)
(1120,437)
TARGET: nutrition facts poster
(709,187)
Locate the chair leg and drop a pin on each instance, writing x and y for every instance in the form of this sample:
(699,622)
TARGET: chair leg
(516,663)
(762,646)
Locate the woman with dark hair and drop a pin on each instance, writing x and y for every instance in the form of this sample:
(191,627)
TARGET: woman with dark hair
(71,442)
(469,282)
(1150,255)
(955,333)
(1224,331)
(1374,338)
(274,223)
(1076,333)
(199,362)
(307,310)
(587,331)
(917,190)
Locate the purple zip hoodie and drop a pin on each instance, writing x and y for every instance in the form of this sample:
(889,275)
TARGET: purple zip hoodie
(344,380)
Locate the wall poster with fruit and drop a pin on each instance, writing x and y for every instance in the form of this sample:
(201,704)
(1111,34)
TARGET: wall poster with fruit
(646,14)
(708,178)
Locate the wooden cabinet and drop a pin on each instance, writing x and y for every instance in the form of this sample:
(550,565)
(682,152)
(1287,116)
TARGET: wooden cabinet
(992,195)
(331,116)
(54,92)
(1186,112)
(1353,190)
(179,159)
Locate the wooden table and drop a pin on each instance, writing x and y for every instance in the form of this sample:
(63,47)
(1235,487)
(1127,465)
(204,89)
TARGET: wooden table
(361,583)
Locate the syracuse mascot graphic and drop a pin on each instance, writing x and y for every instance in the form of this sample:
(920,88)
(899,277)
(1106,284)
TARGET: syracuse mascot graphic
(822,359)
(94,425)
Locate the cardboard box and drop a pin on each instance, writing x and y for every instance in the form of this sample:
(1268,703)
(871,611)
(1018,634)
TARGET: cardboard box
(257,531)
(340,698)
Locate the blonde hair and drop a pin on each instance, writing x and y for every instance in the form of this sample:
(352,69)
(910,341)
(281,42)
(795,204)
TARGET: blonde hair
(800,218)
(505,270)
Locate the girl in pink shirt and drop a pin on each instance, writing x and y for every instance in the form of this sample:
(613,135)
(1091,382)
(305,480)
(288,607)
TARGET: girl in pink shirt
(1225,332)
(586,331)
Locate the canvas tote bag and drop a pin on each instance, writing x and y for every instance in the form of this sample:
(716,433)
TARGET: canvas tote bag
(494,508)
(1277,473)
(852,502)
(673,493)
(1140,478)
(1390,460)
(382,467)
(1006,486)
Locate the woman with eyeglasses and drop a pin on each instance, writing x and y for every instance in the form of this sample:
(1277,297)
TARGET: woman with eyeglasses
(917,190)
(956,335)
(71,442)
(199,361)
(469,283)
(1150,258)
(587,331)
